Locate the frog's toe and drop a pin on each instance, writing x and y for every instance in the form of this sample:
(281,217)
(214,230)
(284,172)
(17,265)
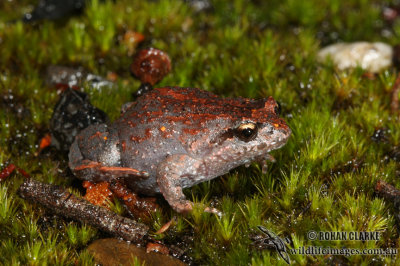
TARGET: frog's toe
(214,211)
(263,161)
(184,206)
(270,158)
(187,206)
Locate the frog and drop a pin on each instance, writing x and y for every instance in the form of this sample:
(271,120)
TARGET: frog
(172,138)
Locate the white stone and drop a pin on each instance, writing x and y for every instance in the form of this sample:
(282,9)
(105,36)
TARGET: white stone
(369,56)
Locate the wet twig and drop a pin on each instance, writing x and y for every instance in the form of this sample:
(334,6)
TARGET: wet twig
(66,204)
(387,191)
(390,194)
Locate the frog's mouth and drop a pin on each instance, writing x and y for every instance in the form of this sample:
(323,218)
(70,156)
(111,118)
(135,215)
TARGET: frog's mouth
(273,138)
(283,136)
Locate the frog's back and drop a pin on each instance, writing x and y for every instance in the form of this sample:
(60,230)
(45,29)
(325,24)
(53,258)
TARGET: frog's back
(189,106)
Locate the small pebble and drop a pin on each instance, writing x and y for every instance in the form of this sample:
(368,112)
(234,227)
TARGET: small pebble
(372,57)
(151,65)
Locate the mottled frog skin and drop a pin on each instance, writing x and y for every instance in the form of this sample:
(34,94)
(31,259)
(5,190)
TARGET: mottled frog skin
(173,138)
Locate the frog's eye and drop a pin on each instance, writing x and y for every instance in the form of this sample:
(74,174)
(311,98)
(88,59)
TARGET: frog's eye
(247,131)
(277,108)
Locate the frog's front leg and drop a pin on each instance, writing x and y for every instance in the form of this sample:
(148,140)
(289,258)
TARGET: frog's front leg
(172,174)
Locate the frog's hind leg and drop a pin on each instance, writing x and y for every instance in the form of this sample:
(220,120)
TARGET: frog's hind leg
(94,171)
(116,172)
(95,155)
(136,206)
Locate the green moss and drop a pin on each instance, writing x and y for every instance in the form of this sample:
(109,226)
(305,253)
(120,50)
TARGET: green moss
(324,177)
(8,205)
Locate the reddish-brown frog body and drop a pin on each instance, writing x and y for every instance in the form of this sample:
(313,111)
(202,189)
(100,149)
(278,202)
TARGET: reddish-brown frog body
(173,138)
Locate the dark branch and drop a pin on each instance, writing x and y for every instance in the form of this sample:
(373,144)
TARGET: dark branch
(66,204)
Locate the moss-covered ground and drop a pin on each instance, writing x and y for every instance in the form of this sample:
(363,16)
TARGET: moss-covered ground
(324,177)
